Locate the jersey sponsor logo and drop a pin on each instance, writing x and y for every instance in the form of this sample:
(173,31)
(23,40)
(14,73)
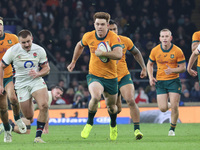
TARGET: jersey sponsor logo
(29,64)
(9,42)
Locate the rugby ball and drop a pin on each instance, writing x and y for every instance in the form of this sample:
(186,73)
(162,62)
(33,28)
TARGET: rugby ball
(105,47)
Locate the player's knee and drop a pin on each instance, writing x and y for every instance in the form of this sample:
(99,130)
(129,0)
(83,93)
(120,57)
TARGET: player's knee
(96,99)
(163,109)
(30,118)
(111,109)
(130,102)
(3,110)
(13,99)
(14,102)
(44,107)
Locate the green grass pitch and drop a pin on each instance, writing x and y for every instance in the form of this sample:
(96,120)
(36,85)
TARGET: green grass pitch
(68,138)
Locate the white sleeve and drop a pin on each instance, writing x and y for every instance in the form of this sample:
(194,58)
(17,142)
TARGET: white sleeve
(198,48)
(43,57)
(8,57)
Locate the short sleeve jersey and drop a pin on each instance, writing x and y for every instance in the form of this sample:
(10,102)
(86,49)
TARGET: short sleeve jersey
(171,57)
(6,42)
(196,38)
(96,66)
(24,61)
(122,69)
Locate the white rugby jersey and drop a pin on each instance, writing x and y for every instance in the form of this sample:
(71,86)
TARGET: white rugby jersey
(24,61)
(198,48)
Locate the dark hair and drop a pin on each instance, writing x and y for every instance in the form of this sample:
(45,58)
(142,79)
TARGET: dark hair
(102,15)
(112,22)
(24,33)
(57,87)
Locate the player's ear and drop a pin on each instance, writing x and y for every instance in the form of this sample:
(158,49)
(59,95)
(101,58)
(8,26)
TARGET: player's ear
(171,38)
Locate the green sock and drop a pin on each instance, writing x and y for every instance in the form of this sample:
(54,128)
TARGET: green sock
(173,126)
(113,118)
(136,125)
(91,115)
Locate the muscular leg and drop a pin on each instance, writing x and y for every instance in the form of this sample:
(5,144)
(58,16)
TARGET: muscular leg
(4,111)
(95,89)
(119,103)
(174,100)
(41,97)
(27,109)
(128,93)
(13,99)
(111,101)
(162,100)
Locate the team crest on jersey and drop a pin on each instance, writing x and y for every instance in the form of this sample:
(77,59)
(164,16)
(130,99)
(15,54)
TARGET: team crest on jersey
(9,42)
(19,56)
(34,55)
(172,56)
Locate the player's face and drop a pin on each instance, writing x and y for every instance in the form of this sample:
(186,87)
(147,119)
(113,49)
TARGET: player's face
(26,43)
(56,94)
(101,27)
(113,27)
(1,30)
(165,38)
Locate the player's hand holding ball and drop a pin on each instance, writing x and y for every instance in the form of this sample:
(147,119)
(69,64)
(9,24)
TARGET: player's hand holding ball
(103,47)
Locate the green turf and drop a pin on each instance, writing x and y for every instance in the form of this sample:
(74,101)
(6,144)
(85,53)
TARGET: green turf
(68,138)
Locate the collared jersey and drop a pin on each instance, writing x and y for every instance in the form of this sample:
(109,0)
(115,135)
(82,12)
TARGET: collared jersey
(6,42)
(24,61)
(122,69)
(96,66)
(196,38)
(171,57)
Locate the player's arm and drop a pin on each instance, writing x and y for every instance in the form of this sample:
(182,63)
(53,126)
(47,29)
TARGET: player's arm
(180,69)
(194,45)
(115,54)
(2,67)
(152,80)
(192,59)
(43,72)
(138,57)
(77,53)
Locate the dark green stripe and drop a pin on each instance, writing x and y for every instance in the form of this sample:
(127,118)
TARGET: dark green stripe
(151,60)
(180,62)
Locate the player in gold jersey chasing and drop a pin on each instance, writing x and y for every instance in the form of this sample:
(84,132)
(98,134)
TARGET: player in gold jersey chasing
(170,61)
(125,83)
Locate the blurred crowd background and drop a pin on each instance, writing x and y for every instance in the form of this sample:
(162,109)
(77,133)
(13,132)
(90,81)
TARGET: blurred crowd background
(58,25)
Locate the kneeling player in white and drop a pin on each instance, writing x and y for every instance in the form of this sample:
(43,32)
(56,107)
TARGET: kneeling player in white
(55,94)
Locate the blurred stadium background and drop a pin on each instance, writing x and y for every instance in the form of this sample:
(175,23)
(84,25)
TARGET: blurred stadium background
(58,25)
